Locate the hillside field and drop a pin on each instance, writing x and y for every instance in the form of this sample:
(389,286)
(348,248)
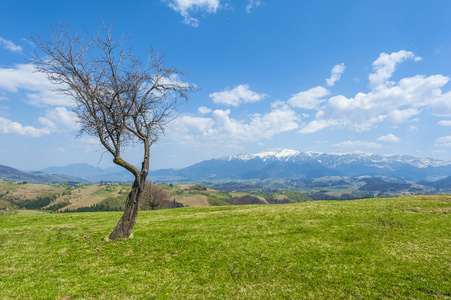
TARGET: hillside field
(111,196)
(396,248)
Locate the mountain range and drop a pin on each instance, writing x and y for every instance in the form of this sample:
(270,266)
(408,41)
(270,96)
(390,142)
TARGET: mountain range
(272,164)
(309,165)
(12,174)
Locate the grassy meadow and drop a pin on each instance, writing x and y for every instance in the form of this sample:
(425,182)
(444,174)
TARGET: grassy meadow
(397,248)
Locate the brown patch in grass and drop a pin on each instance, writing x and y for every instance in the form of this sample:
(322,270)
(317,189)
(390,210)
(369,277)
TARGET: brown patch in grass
(192,200)
(244,194)
(86,197)
(83,197)
(32,191)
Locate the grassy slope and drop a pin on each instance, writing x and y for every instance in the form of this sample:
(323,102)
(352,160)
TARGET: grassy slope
(86,196)
(368,249)
(79,196)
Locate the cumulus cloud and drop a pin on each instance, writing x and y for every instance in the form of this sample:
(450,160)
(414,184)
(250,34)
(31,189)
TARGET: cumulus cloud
(221,127)
(187,7)
(260,126)
(385,65)
(59,119)
(9,127)
(389,138)
(395,102)
(10,45)
(335,74)
(56,120)
(236,96)
(251,4)
(400,116)
(309,99)
(39,89)
(357,144)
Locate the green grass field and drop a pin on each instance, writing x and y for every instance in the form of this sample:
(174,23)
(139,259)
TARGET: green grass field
(396,248)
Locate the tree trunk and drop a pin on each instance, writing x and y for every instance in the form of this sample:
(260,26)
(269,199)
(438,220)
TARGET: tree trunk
(127,222)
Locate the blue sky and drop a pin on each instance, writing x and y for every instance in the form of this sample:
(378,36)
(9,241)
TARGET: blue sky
(326,76)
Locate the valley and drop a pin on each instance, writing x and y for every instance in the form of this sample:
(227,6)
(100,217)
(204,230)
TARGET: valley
(282,176)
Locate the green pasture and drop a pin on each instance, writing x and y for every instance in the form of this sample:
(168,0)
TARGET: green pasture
(397,248)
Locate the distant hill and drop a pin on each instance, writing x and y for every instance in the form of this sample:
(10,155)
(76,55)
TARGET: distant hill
(12,174)
(76,170)
(444,183)
(92,174)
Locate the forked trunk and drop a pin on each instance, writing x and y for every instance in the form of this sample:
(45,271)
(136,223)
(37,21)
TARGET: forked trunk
(127,222)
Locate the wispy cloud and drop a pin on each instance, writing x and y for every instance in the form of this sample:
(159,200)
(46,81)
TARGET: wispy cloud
(357,144)
(335,74)
(251,4)
(444,141)
(187,7)
(444,123)
(10,45)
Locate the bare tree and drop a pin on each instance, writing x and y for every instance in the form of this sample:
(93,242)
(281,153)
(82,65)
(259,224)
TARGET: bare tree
(118,98)
(155,197)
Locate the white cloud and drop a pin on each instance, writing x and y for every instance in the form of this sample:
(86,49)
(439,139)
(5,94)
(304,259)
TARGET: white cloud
(56,120)
(314,126)
(335,74)
(260,126)
(444,123)
(59,119)
(444,141)
(309,99)
(385,65)
(222,128)
(251,4)
(10,45)
(400,116)
(395,102)
(236,96)
(441,105)
(389,138)
(187,7)
(357,144)
(9,127)
(39,88)
(204,110)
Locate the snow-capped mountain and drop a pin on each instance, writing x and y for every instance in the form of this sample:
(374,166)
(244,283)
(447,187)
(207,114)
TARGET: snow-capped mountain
(334,160)
(284,163)
(294,164)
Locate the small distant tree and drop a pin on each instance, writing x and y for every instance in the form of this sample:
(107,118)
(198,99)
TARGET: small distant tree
(119,99)
(155,197)
(246,199)
(198,187)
